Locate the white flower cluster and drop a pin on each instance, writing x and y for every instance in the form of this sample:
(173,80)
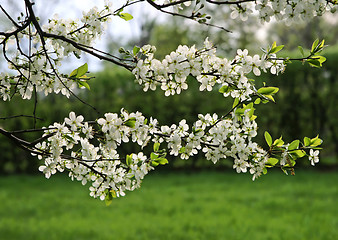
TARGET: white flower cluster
(171,73)
(70,146)
(218,139)
(39,71)
(90,154)
(288,10)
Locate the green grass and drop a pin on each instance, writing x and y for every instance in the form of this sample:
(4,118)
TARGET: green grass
(207,205)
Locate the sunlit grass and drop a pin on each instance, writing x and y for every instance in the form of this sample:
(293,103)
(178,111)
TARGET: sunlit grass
(207,205)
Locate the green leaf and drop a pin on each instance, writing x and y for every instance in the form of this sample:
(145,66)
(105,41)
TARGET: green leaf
(321,59)
(136,49)
(236,102)
(84,84)
(301,50)
(278,142)
(154,163)
(268,90)
(82,70)
(154,156)
(253,117)
(258,101)
(79,72)
(294,145)
(307,141)
(270,97)
(298,153)
(130,122)
(314,45)
(109,197)
(224,89)
(129,160)
(126,16)
(276,49)
(239,111)
(156,146)
(268,138)
(316,142)
(314,63)
(182,150)
(272,162)
(162,161)
(73,73)
(69,138)
(265,171)
(274,45)
(317,148)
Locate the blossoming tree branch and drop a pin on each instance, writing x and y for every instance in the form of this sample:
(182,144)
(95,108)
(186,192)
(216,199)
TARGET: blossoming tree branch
(89,150)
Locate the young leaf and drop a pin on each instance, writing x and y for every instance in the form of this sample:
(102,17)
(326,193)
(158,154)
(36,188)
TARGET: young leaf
(154,156)
(314,63)
(272,162)
(130,122)
(276,49)
(314,45)
(236,102)
(126,16)
(73,73)
(267,90)
(109,197)
(258,101)
(224,89)
(298,153)
(84,84)
(278,142)
(162,161)
(156,146)
(136,49)
(270,97)
(316,142)
(129,160)
(268,138)
(182,150)
(265,171)
(301,50)
(307,141)
(321,59)
(154,164)
(82,70)
(294,145)
(274,45)
(79,72)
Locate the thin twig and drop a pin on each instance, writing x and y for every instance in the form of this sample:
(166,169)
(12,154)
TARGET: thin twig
(9,17)
(22,115)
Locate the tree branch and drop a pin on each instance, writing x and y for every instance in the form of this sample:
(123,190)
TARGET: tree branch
(193,17)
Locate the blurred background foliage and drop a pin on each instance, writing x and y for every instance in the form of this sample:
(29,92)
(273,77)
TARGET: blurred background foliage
(307,103)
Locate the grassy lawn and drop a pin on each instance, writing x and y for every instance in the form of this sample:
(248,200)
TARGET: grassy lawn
(206,205)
